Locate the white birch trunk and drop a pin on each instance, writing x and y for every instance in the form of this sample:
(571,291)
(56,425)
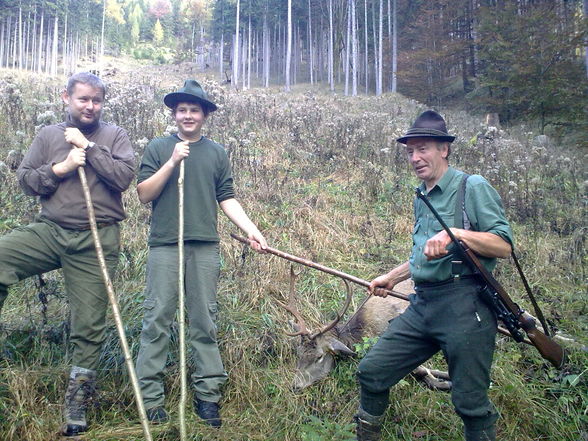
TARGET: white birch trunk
(347,48)
(101,60)
(40,45)
(55,46)
(249,55)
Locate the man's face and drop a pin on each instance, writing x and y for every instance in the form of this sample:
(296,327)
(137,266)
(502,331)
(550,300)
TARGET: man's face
(190,118)
(84,104)
(428,159)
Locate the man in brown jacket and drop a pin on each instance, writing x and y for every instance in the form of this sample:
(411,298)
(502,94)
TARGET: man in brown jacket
(60,237)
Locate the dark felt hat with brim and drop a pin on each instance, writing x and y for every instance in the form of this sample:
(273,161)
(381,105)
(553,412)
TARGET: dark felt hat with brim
(429,124)
(191,92)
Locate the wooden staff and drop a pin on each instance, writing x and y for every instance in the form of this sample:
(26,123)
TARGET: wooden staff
(114,304)
(181,310)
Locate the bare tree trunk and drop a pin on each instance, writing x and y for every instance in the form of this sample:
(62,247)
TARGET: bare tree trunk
(375,38)
(40,46)
(354,47)
(235,79)
(310,49)
(394,46)
(266,54)
(586,40)
(221,56)
(347,49)
(380,52)
(55,46)
(249,54)
(365,29)
(331,49)
(20,39)
(101,60)
(289,46)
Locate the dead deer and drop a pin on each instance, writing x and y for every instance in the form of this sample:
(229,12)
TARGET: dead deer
(317,352)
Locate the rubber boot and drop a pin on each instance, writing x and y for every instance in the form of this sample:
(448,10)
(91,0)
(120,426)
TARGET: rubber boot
(80,390)
(488,434)
(368,427)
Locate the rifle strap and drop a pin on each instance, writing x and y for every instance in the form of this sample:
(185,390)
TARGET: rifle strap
(460,220)
(536,308)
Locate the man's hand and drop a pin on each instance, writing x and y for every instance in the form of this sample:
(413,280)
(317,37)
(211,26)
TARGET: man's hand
(380,284)
(76,138)
(76,158)
(181,151)
(436,246)
(257,242)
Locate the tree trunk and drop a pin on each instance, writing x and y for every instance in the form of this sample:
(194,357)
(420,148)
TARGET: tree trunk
(331,55)
(353,48)
(289,46)
(347,49)
(380,52)
(310,49)
(394,45)
(235,79)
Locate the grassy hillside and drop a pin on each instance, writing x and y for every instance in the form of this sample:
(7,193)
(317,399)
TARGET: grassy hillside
(323,178)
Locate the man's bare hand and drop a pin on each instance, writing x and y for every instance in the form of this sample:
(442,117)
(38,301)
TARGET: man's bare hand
(76,158)
(76,138)
(181,151)
(436,246)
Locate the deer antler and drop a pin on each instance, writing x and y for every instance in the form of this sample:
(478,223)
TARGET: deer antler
(339,314)
(291,307)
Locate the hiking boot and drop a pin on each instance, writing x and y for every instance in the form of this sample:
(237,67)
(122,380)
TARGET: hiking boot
(209,412)
(157,415)
(368,427)
(488,434)
(80,390)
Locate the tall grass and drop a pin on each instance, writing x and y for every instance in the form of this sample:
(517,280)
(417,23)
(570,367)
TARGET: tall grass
(323,178)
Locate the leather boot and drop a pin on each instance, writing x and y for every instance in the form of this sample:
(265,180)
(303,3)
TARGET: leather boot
(488,434)
(368,427)
(80,390)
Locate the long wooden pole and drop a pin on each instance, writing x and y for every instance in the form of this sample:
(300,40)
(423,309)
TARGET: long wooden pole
(114,304)
(181,302)
(344,276)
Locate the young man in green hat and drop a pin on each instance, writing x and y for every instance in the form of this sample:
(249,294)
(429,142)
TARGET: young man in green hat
(446,314)
(207,183)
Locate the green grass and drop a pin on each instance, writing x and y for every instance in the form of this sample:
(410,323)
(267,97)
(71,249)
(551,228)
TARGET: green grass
(321,176)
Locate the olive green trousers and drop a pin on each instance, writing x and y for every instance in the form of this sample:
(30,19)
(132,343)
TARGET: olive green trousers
(45,246)
(201,270)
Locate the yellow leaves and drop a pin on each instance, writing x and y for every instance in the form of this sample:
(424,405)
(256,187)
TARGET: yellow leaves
(114,10)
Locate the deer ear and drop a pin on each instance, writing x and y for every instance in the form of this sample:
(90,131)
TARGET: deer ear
(338,348)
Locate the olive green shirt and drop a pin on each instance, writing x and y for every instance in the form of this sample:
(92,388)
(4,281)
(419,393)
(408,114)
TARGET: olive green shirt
(207,182)
(484,209)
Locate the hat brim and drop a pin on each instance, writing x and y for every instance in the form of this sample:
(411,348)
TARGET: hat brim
(172,99)
(443,138)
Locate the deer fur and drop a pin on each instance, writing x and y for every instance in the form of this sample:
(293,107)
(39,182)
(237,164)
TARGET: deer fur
(316,356)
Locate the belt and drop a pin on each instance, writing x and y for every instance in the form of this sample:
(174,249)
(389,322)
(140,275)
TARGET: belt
(98,224)
(467,278)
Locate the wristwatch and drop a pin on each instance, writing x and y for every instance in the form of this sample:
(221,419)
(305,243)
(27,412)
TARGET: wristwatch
(90,145)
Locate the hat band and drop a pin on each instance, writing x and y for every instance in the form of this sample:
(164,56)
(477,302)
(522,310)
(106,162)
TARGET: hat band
(426,132)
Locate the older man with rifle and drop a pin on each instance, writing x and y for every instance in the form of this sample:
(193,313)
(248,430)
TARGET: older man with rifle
(60,237)
(446,313)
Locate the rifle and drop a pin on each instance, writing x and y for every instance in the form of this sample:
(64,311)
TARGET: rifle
(513,317)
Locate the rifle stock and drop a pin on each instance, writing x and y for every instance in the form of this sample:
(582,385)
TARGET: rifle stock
(513,317)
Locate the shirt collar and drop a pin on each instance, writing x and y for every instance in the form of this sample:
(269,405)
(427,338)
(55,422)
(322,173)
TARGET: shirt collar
(443,182)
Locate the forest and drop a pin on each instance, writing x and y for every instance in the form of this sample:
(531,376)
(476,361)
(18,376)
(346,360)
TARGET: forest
(312,95)
(523,59)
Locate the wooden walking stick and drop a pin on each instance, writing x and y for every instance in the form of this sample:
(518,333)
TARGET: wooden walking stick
(181,311)
(114,304)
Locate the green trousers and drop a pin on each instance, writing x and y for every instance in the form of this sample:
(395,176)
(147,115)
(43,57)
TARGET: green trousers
(446,317)
(201,269)
(44,246)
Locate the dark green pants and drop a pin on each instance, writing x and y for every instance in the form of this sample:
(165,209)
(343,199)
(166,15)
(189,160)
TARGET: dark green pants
(45,246)
(446,317)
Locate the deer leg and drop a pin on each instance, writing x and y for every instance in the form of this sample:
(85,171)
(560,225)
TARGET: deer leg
(433,379)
